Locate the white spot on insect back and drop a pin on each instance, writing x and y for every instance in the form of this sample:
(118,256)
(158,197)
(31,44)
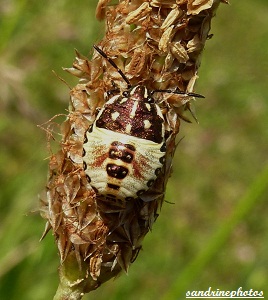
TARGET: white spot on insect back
(123,100)
(133,110)
(148,106)
(115,115)
(147,124)
(145,93)
(128,128)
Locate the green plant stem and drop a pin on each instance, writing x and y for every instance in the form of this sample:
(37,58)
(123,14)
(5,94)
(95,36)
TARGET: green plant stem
(242,209)
(72,281)
(66,293)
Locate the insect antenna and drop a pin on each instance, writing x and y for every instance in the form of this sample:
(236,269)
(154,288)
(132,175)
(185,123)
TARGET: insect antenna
(177,91)
(114,65)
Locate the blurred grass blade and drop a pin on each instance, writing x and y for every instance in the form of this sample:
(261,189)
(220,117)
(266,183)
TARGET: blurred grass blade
(10,22)
(244,206)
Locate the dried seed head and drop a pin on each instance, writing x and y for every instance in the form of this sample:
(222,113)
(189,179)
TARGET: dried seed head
(156,44)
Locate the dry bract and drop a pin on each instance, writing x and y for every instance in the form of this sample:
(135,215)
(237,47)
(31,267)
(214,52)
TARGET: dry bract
(179,52)
(166,38)
(137,64)
(100,10)
(171,17)
(163,3)
(194,44)
(196,6)
(139,13)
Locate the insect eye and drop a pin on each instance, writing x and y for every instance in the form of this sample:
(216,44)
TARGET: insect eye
(125,94)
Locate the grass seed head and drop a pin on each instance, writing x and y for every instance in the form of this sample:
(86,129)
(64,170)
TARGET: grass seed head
(157,44)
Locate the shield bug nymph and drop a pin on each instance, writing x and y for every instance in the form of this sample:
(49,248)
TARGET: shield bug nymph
(124,149)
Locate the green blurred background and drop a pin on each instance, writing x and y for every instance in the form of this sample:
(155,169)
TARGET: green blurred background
(216,232)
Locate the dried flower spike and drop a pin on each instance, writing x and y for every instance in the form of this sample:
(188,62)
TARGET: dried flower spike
(107,182)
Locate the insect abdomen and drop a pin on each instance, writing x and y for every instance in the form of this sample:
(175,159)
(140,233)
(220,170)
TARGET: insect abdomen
(121,169)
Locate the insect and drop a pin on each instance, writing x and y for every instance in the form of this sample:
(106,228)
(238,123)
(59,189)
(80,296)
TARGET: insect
(124,149)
